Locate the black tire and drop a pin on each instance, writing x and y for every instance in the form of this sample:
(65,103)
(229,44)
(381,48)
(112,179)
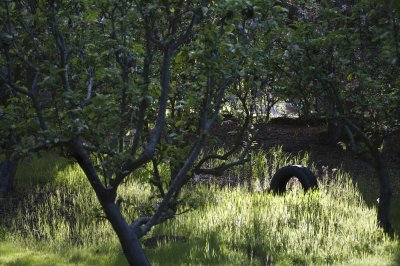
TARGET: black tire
(284,174)
(311,176)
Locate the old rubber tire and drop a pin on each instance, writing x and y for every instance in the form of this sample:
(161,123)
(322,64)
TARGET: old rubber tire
(311,176)
(284,174)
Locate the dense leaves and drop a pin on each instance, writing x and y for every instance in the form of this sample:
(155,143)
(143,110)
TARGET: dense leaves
(122,86)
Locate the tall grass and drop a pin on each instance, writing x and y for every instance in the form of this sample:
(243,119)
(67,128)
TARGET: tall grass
(61,209)
(232,225)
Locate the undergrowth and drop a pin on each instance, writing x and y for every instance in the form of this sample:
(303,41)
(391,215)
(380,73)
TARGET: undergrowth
(56,214)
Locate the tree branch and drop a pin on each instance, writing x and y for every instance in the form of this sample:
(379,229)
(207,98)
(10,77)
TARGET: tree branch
(150,148)
(157,178)
(359,132)
(181,178)
(81,156)
(97,150)
(62,50)
(90,81)
(15,87)
(188,31)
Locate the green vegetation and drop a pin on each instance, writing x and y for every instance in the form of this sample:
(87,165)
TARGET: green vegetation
(128,93)
(21,255)
(57,223)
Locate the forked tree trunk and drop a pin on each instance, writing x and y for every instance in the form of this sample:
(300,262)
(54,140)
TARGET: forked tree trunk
(128,239)
(8,169)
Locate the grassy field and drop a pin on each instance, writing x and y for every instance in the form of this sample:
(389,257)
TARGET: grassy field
(56,220)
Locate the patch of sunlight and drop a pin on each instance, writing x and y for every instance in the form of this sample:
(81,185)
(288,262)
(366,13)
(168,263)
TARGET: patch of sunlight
(16,254)
(369,261)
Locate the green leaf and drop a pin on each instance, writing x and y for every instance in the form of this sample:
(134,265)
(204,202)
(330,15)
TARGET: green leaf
(280,9)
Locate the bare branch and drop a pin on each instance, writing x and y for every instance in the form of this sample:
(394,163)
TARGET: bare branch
(237,143)
(219,170)
(178,182)
(137,225)
(363,155)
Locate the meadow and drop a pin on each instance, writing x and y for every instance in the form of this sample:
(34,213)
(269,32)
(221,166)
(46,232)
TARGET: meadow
(54,218)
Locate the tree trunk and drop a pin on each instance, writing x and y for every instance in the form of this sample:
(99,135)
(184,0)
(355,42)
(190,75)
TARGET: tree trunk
(335,132)
(385,195)
(8,169)
(128,239)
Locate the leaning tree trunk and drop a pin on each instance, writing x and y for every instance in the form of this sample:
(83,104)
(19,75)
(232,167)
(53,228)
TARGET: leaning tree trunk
(385,195)
(129,241)
(8,169)
(127,237)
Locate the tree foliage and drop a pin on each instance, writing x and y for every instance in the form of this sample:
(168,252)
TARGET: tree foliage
(124,85)
(344,65)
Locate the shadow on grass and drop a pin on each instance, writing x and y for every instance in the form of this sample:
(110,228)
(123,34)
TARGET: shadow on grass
(369,188)
(365,178)
(198,251)
(396,259)
(34,175)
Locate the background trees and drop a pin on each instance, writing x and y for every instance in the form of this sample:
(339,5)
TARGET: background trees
(123,85)
(343,62)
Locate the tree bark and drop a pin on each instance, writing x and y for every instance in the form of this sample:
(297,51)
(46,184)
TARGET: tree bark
(336,132)
(8,169)
(106,196)
(128,239)
(385,196)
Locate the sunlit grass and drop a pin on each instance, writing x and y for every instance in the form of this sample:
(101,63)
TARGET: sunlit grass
(312,228)
(59,221)
(19,255)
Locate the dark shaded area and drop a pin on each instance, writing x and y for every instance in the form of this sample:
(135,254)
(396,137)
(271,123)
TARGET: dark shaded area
(8,169)
(396,260)
(31,179)
(154,241)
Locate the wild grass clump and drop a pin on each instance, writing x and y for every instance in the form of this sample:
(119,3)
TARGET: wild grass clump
(240,224)
(319,227)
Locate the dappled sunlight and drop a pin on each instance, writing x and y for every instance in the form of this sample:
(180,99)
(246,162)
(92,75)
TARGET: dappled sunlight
(231,132)
(329,226)
(232,225)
